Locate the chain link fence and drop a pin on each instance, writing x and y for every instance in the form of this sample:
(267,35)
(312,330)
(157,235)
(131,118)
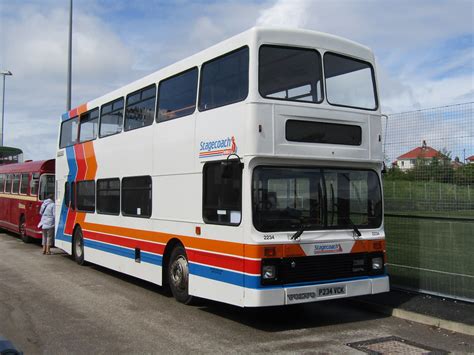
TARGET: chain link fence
(429,200)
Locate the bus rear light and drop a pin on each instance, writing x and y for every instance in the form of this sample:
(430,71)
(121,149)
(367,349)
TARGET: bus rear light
(269,252)
(198,230)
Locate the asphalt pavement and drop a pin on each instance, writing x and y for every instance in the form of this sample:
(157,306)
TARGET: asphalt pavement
(49,304)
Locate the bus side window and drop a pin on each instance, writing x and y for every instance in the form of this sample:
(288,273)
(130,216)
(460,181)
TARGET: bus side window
(111,118)
(69,131)
(67,195)
(8,184)
(89,125)
(85,196)
(177,95)
(24,184)
(137,196)
(16,184)
(140,108)
(2,183)
(73,196)
(222,192)
(224,80)
(34,183)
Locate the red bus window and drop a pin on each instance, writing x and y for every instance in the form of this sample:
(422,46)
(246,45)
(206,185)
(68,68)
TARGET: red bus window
(16,184)
(24,184)
(2,182)
(8,185)
(34,184)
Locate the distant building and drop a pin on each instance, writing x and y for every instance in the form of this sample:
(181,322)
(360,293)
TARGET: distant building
(419,155)
(470,160)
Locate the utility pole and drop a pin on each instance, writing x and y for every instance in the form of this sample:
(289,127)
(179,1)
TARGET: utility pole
(69,61)
(4,74)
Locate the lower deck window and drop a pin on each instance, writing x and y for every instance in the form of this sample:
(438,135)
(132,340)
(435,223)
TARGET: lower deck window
(222,196)
(136,196)
(85,196)
(108,196)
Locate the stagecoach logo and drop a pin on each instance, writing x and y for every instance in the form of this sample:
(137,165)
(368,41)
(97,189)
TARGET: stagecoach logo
(301,296)
(218,147)
(327,248)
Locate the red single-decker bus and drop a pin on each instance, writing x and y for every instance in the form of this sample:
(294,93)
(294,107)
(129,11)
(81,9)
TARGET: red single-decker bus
(23,187)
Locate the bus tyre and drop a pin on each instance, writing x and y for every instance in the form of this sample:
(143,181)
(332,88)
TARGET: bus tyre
(22,228)
(178,275)
(78,246)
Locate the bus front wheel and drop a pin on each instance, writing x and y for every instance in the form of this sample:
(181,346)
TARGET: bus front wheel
(78,246)
(178,275)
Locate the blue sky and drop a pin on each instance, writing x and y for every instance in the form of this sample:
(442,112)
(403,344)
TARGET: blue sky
(424,49)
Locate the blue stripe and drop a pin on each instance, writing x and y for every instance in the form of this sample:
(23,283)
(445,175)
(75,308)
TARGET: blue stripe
(125,252)
(72,165)
(152,258)
(65,116)
(108,248)
(209,272)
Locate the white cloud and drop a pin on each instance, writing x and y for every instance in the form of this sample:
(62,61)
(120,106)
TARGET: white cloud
(35,47)
(286,13)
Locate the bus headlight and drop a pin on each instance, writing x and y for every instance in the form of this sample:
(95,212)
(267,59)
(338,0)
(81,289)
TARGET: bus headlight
(377,263)
(268,272)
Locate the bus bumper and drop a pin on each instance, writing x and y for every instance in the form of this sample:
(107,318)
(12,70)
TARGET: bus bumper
(317,292)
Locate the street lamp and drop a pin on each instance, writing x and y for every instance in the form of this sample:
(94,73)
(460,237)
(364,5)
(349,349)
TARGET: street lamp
(4,73)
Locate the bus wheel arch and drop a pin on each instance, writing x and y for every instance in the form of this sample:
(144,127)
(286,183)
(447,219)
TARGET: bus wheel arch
(176,271)
(78,245)
(22,229)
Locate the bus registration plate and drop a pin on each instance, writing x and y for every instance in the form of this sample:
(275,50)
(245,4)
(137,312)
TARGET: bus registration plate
(331,291)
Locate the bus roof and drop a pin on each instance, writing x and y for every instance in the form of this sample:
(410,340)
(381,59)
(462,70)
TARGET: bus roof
(30,166)
(253,36)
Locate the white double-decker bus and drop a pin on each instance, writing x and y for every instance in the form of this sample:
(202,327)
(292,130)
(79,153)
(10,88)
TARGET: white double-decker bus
(249,173)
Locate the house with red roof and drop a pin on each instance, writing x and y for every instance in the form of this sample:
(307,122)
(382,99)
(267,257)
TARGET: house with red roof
(470,160)
(419,155)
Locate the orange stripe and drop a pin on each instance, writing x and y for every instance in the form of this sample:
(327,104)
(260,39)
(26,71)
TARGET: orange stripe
(89,156)
(217,246)
(81,109)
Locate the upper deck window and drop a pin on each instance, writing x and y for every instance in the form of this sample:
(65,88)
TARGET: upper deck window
(89,126)
(291,74)
(224,80)
(349,82)
(69,130)
(140,109)
(111,118)
(177,95)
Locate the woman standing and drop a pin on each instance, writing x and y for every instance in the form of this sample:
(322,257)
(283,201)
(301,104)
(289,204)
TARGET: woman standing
(47,223)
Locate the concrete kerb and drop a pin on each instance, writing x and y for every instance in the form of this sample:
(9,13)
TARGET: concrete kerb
(419,318)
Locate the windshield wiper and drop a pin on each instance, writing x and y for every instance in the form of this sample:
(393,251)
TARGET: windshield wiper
(354,227)
(300,231)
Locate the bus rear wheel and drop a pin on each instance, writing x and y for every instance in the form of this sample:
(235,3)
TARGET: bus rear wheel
(178,275)
(22,229)
(78,246)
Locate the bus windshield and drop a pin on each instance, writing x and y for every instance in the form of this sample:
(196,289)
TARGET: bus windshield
(46,186)
(286,198)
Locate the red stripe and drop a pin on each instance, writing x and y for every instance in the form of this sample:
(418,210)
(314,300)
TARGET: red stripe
(211,259)
(125,242)
(225,261)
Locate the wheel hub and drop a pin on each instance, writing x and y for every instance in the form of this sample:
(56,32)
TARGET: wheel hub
(179,273)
